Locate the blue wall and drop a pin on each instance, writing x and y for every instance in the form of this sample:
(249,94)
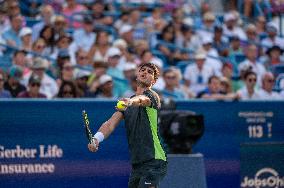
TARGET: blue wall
(58,124)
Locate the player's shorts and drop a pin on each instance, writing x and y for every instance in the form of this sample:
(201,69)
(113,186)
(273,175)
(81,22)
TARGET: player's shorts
(147,174)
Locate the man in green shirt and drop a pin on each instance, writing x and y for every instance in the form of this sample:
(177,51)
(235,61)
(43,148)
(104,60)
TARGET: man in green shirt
(148,158)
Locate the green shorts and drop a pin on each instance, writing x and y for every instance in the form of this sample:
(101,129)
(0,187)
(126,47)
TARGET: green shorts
(147,174)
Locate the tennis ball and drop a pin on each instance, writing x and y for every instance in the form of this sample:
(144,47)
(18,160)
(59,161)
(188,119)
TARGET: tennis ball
(120,105)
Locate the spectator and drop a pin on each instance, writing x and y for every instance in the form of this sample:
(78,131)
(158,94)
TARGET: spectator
(251,34)
(273,57)
(48,35)
(60,26)
(260,26)
(67,72)
(266,92)
(38,47)
(171,89)
(98,15)
(126,56)
(122,20)
(33,90)
(46,16)
(67,90)
(105,89)
(93,82)
(155,22)
(4,20)
(212,57)
(207,26)
(82,60)
(225,86)
(26,38)
(196,75)
(100,47)
(166,39)
(220,43)
(13,83)
(252,61)
(11,36)
(114,55)
(85,37)
(13,8)
(48,86)
(213,90)
(20,59)
(126,33)
(187,39)
(3,92)
(139,28)
(249,91)
(272,38)
(63,43)
(236,53)
(133,85)
(73,11)
(81,79)
(230,27)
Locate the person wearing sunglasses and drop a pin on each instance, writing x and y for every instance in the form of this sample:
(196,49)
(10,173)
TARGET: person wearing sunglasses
(33,88)
(249,90)
(266,92)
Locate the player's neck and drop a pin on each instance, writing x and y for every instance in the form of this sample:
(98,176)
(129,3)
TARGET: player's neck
(140,90)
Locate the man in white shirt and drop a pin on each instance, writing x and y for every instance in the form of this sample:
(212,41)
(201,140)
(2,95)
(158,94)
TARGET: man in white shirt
(48,85)
(85,37)
(266,92)
(272,38)
(251,61)
(230,27)
(196,75)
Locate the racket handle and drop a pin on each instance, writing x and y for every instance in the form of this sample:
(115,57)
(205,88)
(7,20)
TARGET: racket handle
(93,142)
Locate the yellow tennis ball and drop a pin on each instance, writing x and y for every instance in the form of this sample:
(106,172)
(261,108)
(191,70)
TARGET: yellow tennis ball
(121,105)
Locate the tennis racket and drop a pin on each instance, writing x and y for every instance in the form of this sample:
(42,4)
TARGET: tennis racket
(87,127)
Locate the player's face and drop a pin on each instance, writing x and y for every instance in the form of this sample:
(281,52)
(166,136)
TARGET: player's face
(145,76)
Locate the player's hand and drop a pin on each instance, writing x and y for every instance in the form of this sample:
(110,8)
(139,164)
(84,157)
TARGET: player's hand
(94,146)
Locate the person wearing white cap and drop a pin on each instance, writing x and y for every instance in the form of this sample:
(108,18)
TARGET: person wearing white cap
(114,55)
(126,33)
(26,37)
(105,89)
(272,38)
(48,85)
(196,75)
(207,26)
(212,56)
(230,27)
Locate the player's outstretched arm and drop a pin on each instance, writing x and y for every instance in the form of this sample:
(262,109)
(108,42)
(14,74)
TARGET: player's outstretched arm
(139,100)
(105,130)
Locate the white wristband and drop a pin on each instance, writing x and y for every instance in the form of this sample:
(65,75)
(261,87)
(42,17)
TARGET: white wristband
(99,136)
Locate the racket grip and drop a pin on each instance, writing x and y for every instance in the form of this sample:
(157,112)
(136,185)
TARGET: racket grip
(93,142)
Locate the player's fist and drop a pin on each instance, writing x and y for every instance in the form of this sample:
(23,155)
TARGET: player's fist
(94,146)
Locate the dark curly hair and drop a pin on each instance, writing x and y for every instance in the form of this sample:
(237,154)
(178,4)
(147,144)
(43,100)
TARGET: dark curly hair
(151,66)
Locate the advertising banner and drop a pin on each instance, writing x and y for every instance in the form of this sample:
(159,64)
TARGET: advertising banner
(262,165)
(43,142)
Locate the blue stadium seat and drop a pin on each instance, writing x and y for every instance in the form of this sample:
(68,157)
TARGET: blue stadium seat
(183,64)
(5,62)
(277,69)
(31,21)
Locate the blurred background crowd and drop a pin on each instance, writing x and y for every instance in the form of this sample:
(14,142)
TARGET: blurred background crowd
(222,50)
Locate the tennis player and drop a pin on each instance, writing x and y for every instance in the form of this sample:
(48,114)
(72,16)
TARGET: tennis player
(148,158)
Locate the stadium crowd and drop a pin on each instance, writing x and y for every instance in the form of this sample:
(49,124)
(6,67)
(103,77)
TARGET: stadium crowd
(74,49)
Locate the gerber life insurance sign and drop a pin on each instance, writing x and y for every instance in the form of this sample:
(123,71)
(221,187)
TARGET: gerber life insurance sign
(262,165)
